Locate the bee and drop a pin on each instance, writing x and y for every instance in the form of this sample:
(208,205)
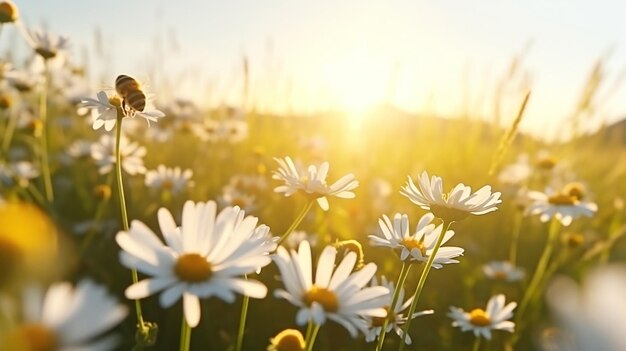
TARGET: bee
(129,89)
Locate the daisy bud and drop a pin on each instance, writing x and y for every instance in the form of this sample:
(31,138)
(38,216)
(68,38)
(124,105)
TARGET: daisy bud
(8,12)
(546,163)
(287,340)
(102,191)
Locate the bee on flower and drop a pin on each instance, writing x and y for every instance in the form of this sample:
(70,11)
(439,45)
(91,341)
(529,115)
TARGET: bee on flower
(312,182)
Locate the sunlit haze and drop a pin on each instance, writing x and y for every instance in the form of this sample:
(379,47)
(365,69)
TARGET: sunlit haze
(446,58)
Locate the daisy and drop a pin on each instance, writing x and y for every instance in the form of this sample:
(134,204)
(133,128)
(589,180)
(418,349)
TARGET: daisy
(103,112)
(453,206)
(516,174)
(174,180)
(233,197)
(565,205)
(206,256)
(103,152)
(66,319)
(337,294)
(21,172)
(312,182)
(46,44)
(418,246)
(503,270)
(79,149)
(482,322)
(398,319)
(594,313)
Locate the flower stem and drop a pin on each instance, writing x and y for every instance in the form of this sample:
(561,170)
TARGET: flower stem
(310,341)
(309,330)
(476,346)
(242,320)
(43,112)
(8,131)
(539,273)
(120,191)
(102,205)
(420,284)
(185,336)
(296,222)
(404,272)
(517,227)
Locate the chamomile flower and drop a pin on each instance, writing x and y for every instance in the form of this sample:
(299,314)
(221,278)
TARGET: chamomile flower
(419,245)
(66,319)
(564,205)
(21,172)
(312,182)
(234,197)
(503,271)
(103,112)
(103,152)
(398,318)
(206,256)
(46,44)
(174,180)
(481,322)
(516,174)
(453,206)
(336,294)
(79,149)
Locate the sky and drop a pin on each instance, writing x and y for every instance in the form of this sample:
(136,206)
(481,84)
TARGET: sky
(444,57)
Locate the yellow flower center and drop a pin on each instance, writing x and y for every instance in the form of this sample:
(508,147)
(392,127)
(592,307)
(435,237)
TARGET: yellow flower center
(167,184)
(479,318)
(380,321)
(8,12)
(115,101)
(562,200)
(323,296)
(192,268)
(546,163)
(448,213)
(499,275)
(287,340)
(31,337)
(412,243)
(45,53)
(575,189)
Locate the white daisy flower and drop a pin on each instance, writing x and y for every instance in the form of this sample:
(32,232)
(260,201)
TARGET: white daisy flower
(565,205)
(594,313)
(46,44)
(482,322)
(337,294)
(419,245)
(66,319)
(398,319)
(503,270)
(174,180)
(103,152)
(206,256)
(516,174)
(79,149)
(453,206)
(312,182)
(103,112)
(233,197)
(21,172)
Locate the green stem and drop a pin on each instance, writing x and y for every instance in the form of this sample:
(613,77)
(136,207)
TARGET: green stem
(242,320)
(120,191)
(517,227)
(8,132)
(102,205)
(296,222)
(420,285)
(185,336)
(43,115)
(311,341)
(404,272)
(539,273)
(309,330)
(476,346)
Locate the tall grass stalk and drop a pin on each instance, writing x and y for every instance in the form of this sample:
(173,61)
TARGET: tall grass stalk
(43,115)
(404,272)
(420,284)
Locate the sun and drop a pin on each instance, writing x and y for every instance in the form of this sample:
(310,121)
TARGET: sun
(357,81)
